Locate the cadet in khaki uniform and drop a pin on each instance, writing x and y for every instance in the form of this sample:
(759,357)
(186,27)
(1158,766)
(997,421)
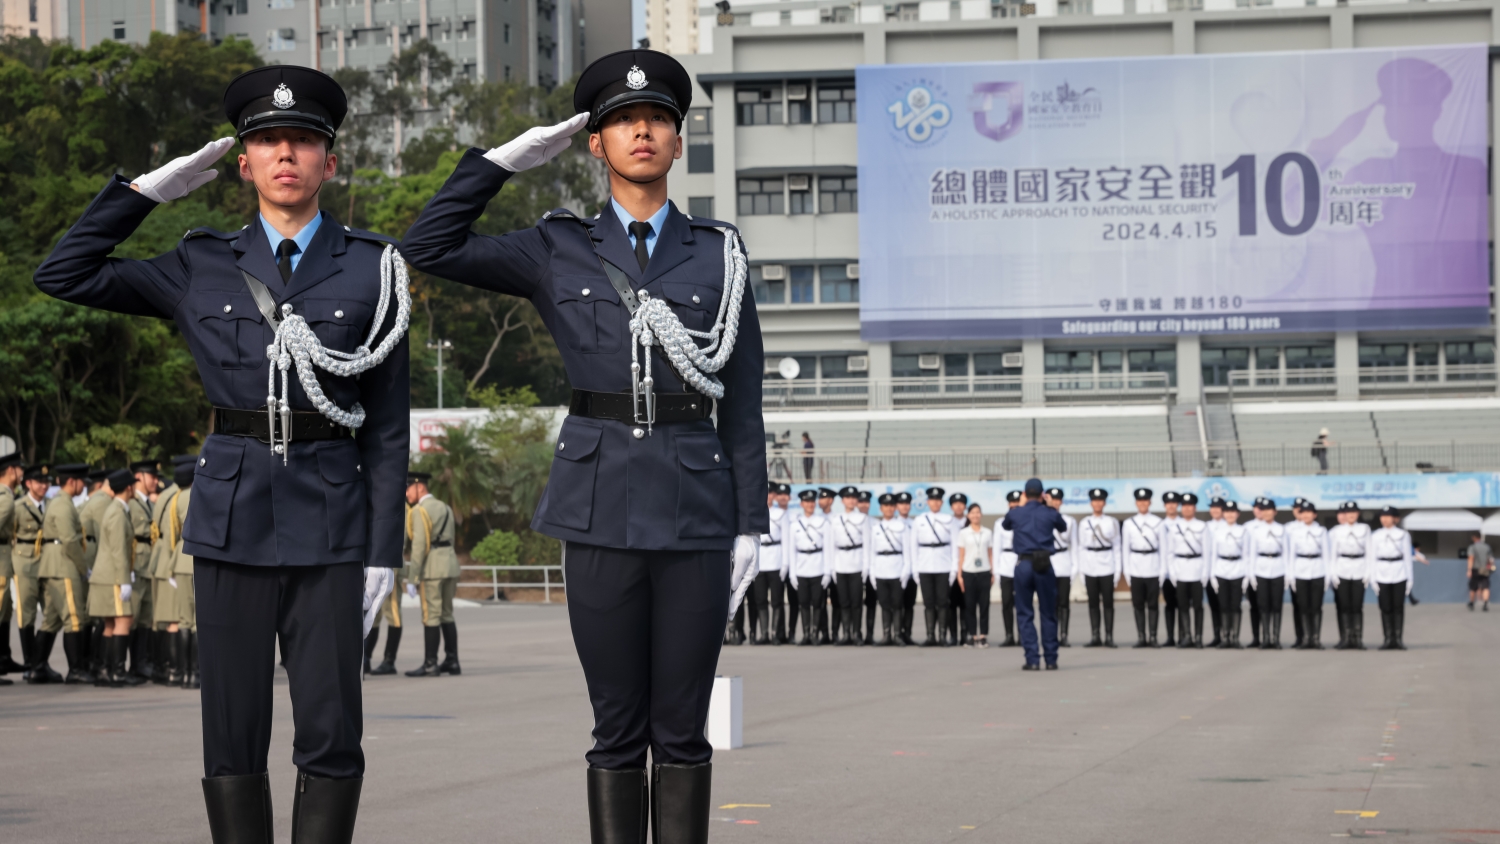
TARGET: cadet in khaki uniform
(10,476)
(61,574)
(110,575)
(185,647)
(434,574)
(166,526)
(89,514)
(148,484)
(25,559)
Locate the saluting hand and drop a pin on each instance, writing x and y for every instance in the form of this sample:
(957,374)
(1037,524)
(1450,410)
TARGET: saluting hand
(184,174)
(537,145)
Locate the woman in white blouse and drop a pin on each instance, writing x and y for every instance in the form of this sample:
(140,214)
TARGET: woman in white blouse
(975,576)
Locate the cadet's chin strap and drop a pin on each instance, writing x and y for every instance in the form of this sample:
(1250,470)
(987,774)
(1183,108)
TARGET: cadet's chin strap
(296,342)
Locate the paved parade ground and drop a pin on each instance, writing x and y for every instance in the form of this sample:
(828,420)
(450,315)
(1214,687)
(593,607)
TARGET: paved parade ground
(850,745)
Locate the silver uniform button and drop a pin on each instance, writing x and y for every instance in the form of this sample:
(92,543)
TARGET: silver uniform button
(638,433)
(561,446)
(716,458)
(202,461)
(585,291)
(228,308)
(696,300)
(338,314)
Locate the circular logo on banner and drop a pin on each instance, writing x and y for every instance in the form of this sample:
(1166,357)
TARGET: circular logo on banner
(920,114)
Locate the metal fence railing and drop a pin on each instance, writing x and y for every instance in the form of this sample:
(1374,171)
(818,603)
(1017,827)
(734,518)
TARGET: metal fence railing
(1413,381)
(552,578)
(939,391)
(1135,461)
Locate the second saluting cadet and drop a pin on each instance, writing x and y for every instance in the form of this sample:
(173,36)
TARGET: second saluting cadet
(297,487)
(1268,566)
(1308,542)
(935,565)
(1099,562)
(1032,526)
(1144,572)
(660,510)
(1005,569)
(1229,553)
(1064,556)
(1349,573)
(433,573)
(893,547)
(1185,545)
(1390,572)
(849,532)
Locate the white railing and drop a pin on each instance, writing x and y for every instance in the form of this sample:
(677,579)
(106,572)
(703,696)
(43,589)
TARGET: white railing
(1443,379)
(974,391)
(549,581)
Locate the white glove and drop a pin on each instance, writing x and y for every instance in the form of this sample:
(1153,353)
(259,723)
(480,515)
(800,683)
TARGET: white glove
(746,561)
(378,583)
(411,589)
(125,592)
(1291,583)
(1333,582)
(827,579)
(1127,581)
(537,145)
(181,176)
(1252,581)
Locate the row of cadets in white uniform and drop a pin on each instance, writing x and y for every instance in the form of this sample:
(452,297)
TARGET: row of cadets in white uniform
(768,595)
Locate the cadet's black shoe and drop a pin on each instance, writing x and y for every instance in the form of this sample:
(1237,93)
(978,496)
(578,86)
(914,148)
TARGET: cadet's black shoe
(324,809)
(1010,641)
(1095,642)
(1027,666)
(619,806)
(239,809)
(680,803)
(189,659)
(428,668)
(1109,640)
(41,671)
(106,677)
(370,640)
(1471,606)
(1413,599)
(384,668)
(450,665)
(1051,666)
(450,649)
(430,641)
(170,671)
(78,673)
(28,651)
(8,665)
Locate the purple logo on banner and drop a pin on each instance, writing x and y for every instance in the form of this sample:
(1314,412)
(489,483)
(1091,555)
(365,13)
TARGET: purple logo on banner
(984,100)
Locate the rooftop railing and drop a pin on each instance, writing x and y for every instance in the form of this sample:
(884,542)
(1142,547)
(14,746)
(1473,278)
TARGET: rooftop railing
(953,392)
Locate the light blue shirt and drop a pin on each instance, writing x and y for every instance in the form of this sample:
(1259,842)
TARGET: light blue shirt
(302,239)
(657,220)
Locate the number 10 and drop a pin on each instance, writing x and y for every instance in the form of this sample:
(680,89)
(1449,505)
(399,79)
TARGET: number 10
(1244,168)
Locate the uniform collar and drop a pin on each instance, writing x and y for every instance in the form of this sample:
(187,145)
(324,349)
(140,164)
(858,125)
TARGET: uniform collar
(257,257)
(656,220)
(609,232)
(424,498)
(301,238)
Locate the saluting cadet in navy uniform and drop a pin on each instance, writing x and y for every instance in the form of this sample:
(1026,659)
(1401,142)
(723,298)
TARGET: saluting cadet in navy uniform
(296,494)
(661,511)
(909,591)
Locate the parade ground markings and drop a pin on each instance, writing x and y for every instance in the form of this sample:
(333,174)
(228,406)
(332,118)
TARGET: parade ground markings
(847,744)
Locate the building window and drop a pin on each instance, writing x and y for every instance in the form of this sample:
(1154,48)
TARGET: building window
(119,30)
(700,140)
(1153,360)
(1473,353)
(798,103)
(31,11)
(1267,365)
(701,206)
(838,195)
(1309,357)
(761,196)
(837,286)
(507,73)
(1218,363)
(836,102)
(1382,355)
(801,277)
(767,292)
(909,366)
(838,367)
(758,106)
(799,188)
(280,40)
(505,33)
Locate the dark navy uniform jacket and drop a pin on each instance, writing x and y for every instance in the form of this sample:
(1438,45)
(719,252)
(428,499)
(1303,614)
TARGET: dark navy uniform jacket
(1031,526)
(687,486)
(334,501)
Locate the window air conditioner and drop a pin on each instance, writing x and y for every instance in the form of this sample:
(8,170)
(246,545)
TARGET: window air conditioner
(852,270)
(773,272)
(929,361)
(1012,360)
(288,34)
(799,182)
(796,92)
(859,363)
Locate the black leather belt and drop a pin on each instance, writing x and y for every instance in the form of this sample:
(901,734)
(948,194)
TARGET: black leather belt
(934,545)
(146,538)
(1264,554)
(888,553)
(769,544)
(1222,557)
(442,543)
(306,425)
(1353,556)
(670,407)
(1187,556)
(1390,559)
(1105,548)
(1309,556)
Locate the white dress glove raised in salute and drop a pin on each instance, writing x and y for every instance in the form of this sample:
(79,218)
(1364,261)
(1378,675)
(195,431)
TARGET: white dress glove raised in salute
(537,145)
(378,583)
(746,567)
(183,175)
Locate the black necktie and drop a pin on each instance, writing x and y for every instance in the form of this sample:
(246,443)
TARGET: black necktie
(639,231)
(284,254)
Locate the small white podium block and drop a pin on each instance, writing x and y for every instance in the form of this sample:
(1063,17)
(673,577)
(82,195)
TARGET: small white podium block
(726,714)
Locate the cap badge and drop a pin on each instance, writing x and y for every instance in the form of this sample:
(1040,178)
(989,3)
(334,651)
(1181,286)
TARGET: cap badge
(635,80)
(282,97)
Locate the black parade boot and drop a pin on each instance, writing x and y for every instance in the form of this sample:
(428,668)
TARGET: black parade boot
(1064,615)
(680,803)
(450,649)
(239,809)
(392,643)
(619,806)
(370,642)
(324,809)
(429,666)
(929,615)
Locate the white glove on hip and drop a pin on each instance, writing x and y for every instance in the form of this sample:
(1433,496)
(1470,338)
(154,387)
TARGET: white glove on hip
(180,176)
(746,562)
(125,591)
(411,589)
(537,145)
(378,583)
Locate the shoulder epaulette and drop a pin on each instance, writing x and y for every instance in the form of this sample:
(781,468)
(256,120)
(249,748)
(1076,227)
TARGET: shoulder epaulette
(562,214)
(205,231)
(706,223)
(361,234)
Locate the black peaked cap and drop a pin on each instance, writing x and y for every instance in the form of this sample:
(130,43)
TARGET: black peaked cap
(285,95)
(632,76)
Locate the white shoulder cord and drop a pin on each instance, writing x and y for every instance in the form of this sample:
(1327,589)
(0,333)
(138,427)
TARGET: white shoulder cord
(654,323)
(296,342)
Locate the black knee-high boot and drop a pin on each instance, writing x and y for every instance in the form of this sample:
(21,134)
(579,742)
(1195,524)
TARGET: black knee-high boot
(239,809)
(619,806)
(1064,614)
(392,644)
(370,641)
(324,809)
(1109,625)
(450,649)
(431,637)
(929,615)
(680,803)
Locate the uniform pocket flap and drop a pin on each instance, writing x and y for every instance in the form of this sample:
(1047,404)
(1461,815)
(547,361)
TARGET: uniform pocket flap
(577,440)
(220,458)
(698,296)
(582,288)
(338,461)
(227,306)
(701,451)
(337,311)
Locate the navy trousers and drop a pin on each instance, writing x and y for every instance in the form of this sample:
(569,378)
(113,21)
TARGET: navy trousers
(315,613)
(1029,583)
(648,626)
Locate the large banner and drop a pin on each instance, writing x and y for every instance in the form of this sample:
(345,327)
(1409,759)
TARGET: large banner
(1337,189)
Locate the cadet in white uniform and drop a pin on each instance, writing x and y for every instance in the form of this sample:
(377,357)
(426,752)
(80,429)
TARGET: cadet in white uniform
(1215,520)
(851,562)
(893,547)
(1390,571)
(1005,569)
(871,598)
(1185,544)
(909,592)
(805,537)
(1170,502)
(1144,571)
(1064,559)
(1349,574)
(1099,563)
(1268,570)
(768,596)
(958,504)
(831,590)
(1308,542)
(937,557)
(1229,564)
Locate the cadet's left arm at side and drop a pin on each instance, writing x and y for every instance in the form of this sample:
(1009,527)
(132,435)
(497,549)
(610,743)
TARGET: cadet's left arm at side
(742,428)
(385,393)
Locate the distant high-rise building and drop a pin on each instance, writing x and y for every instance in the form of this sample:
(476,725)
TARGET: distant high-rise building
(36,18)
(672,25)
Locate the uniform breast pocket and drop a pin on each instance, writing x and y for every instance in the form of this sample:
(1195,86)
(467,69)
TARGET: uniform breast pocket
(338,323)
(343,493)
(705,493)
(697,305)
(216,477)
(575,463)
(593,320)
(229,329)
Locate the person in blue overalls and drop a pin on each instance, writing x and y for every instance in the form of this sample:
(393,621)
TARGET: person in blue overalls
(658,484)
